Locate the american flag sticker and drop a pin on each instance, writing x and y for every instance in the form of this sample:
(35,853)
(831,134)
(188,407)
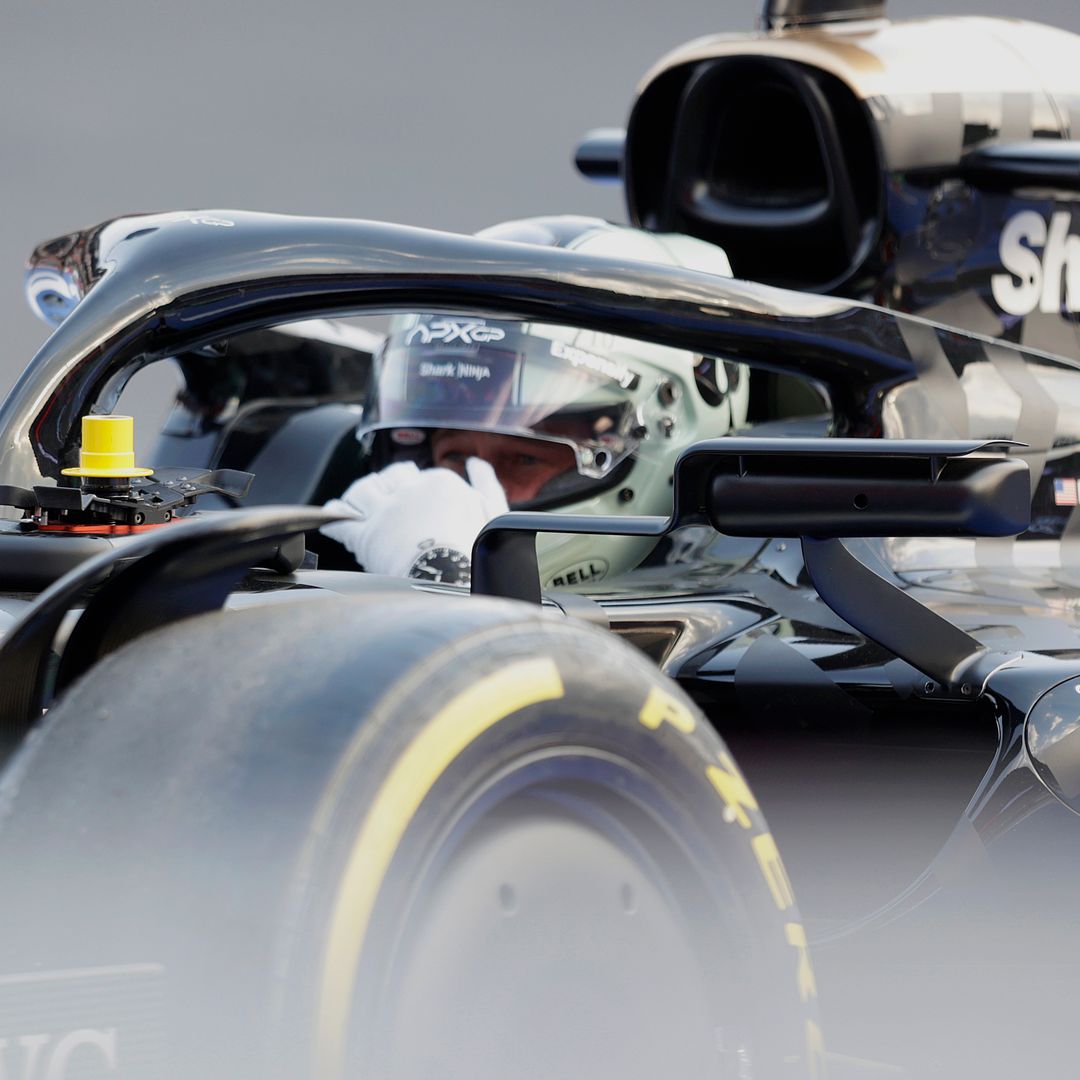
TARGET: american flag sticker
(1065,491)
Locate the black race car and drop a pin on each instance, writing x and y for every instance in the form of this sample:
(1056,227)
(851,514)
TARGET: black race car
(262,816)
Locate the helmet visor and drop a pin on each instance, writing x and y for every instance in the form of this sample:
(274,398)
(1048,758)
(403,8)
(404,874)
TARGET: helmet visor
(473,374)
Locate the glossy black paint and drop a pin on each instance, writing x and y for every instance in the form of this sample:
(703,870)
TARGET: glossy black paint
(826,488)
(890,616)
(1052,727)
(159,577)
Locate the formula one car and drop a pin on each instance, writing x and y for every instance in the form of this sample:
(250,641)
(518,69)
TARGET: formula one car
(263,817)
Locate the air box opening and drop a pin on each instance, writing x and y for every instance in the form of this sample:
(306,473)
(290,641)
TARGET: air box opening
(773,160)
(784,171)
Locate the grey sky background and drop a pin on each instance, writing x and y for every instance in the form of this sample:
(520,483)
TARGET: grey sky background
(449,115)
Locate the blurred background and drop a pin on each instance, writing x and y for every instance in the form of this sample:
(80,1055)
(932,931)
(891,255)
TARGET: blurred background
(448,115)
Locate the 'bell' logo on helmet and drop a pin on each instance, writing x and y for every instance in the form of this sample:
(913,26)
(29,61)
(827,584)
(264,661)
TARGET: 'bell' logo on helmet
(451,331)
(593,570)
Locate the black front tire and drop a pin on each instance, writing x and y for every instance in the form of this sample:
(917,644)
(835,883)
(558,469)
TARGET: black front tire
(420,838)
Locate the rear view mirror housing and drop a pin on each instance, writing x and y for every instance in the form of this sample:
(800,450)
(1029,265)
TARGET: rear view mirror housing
(814,488)
(865,487)
(599,155)
(820,490)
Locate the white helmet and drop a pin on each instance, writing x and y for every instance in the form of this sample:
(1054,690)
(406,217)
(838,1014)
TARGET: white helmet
(621,409)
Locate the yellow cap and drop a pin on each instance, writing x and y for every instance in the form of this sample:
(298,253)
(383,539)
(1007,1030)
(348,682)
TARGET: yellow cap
(108,448)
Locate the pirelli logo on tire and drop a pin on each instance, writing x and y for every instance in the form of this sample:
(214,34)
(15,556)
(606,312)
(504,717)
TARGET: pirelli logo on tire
(513,703)
(741,809)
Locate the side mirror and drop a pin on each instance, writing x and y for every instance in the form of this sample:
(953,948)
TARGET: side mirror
(599,155)
(862,487)
(820,490)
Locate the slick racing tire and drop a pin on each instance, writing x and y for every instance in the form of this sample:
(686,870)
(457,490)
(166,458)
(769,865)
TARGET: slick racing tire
(404,839)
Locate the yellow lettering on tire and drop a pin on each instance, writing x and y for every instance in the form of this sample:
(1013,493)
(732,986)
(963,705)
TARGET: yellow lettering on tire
(453,728)
(734,790)
(660,707)
(772,870)
(796,936)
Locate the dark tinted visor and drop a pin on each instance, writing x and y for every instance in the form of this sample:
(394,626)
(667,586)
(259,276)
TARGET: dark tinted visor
(451,373)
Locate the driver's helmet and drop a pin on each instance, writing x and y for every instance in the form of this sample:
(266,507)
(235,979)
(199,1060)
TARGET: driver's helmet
(612,411)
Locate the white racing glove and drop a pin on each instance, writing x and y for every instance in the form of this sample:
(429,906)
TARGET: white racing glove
(408,522)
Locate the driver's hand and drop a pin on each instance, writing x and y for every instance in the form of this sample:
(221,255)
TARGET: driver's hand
(408,522)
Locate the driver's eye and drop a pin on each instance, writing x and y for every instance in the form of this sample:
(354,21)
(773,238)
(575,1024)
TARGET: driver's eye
(451,458)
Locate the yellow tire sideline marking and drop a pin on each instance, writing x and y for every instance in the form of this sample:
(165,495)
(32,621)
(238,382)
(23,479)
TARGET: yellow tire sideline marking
(456,725)
(796,937)
(772,869)
(660,707)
